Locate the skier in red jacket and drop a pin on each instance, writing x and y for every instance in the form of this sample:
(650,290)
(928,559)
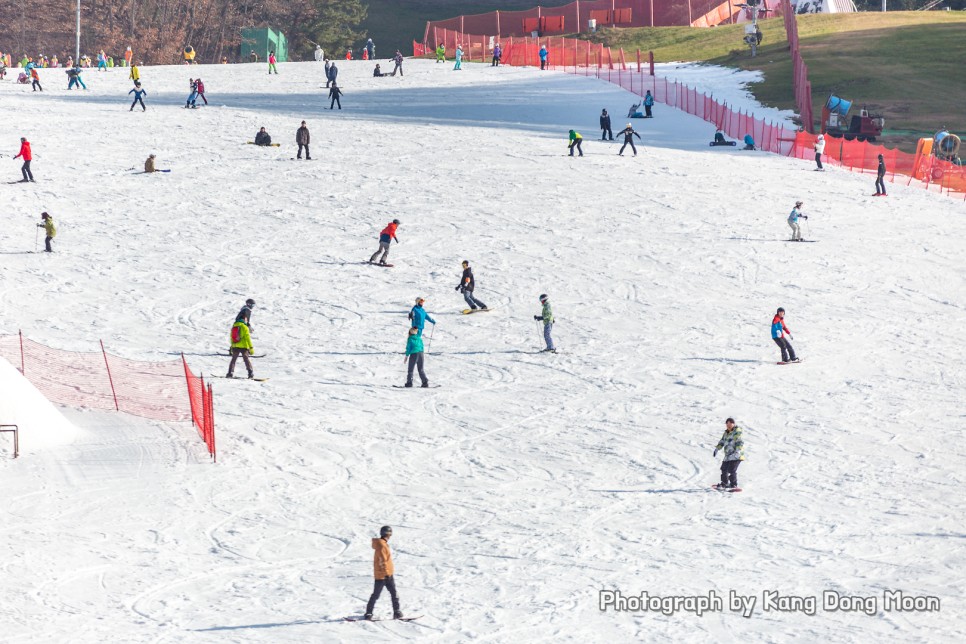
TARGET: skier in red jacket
(385,237)
(27,158)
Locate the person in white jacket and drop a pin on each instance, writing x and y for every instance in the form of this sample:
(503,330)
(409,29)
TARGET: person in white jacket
(319,54)
(819,151)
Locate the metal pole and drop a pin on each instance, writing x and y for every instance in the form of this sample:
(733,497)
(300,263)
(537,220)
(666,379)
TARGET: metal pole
(110,379)
(77,52)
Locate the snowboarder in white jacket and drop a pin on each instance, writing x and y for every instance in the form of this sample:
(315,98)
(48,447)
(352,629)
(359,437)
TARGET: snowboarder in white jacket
(819,151)
(734,452)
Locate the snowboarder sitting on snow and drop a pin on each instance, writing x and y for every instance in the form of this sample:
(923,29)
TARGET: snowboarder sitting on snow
(629,135)
(385,237)
(263,137)
(149,164)
(377,72)
(734,452)
(414,353)
(466,285)
(719,138)
(793,218)
(635,112)
(749,142)
(241,345)
(546,316)
(778,331)
(383,571)
(48,225)
(419,316)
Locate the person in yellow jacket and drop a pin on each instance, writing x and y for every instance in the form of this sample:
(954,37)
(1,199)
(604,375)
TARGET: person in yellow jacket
(383,571)
(135,74)
(241,345)
(48,225)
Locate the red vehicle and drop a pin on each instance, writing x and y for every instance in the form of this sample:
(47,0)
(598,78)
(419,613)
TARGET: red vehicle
(863,126)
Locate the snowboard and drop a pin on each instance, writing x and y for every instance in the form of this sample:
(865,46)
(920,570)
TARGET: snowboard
(714,145)
(801,241)
(240,378)
(469,311)
(717,486)
(20,181)
(377,619)
(880,195)
(790,361)
(250,355)
(270,145)
(378,264)
(415,387)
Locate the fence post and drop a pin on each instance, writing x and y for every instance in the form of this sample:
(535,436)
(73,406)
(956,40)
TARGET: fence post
(650,58)
(211,422)
(109,378)
(23,369)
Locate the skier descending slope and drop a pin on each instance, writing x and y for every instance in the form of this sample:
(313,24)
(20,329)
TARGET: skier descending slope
(383,571)
(385,238)
(546,316)
(778,331)
(734,452)
(629,135)
(419,316)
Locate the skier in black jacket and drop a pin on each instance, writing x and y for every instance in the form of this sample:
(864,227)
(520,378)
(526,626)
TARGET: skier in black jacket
(628,133)
(605,130)
(334,94)
(466,285)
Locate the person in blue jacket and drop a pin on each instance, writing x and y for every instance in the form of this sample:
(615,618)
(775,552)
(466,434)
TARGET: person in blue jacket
(749,142)
(648,104)
(543,56)
(419,316)
(139,94)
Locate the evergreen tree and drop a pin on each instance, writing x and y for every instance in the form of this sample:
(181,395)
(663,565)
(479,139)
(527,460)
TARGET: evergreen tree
(336,26)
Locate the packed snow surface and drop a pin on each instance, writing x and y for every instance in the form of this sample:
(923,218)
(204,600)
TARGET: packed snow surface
(527,483)
(39,423)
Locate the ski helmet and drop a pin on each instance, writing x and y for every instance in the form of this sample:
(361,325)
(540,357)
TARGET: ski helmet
(798,203)
(780,310)
(385,531)
(250,302)
(396,221)
(543,297)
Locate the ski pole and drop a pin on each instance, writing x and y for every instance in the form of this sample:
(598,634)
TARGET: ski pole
(809,228)
(36,238)
(430,343)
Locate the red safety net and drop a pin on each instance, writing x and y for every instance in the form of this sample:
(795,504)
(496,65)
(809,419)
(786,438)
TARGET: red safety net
(800,83)
(99,380)
(522,52)
(576,16)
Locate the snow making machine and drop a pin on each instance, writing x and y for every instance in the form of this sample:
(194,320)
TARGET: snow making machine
(863,126)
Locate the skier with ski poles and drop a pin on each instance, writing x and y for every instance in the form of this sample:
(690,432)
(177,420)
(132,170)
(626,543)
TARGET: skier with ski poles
(778,331)
(734,452)
(383,570)
(629,135)
(419,316)
(466,286)
(793,218)
(546,316)
(385,237)
(47,224)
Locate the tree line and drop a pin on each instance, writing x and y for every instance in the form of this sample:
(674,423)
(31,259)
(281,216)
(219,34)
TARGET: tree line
(159,30)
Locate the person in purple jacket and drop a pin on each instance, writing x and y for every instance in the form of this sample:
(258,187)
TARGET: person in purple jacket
(497,54)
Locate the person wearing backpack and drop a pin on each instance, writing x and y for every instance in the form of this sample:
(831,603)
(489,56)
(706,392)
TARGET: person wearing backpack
(241,345)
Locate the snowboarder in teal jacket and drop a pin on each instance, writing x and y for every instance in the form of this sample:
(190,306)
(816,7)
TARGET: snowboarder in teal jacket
(734,452)
(414,353)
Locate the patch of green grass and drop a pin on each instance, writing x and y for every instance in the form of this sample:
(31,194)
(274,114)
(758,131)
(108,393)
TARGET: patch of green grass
(906,65)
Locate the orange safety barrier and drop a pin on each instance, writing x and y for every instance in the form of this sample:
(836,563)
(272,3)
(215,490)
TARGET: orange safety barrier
(99,380)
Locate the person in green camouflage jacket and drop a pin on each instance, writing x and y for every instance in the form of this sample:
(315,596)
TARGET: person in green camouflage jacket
(546,316)
(734,452)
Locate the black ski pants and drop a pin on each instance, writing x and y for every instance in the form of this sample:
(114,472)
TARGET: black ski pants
(136,101)
(306,146)
(880,184)
(729,473)
(25,169)
(335,100)
(36,86)
(788,353)
(606,132)
(576,144)
(389,584)
(626,142)
(47,244)
(818,160)
(647,111)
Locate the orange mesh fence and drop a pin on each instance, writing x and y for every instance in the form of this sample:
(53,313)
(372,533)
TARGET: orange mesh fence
(863,157)
(576,16)
(99,380)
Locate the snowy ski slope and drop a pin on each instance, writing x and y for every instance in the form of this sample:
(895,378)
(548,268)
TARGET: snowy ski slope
(528,482)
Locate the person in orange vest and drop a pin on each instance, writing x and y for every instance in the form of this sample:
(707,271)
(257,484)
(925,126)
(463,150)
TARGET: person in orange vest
(128,57)
(348,54)
(385,237)
(365,54)
(383,570)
